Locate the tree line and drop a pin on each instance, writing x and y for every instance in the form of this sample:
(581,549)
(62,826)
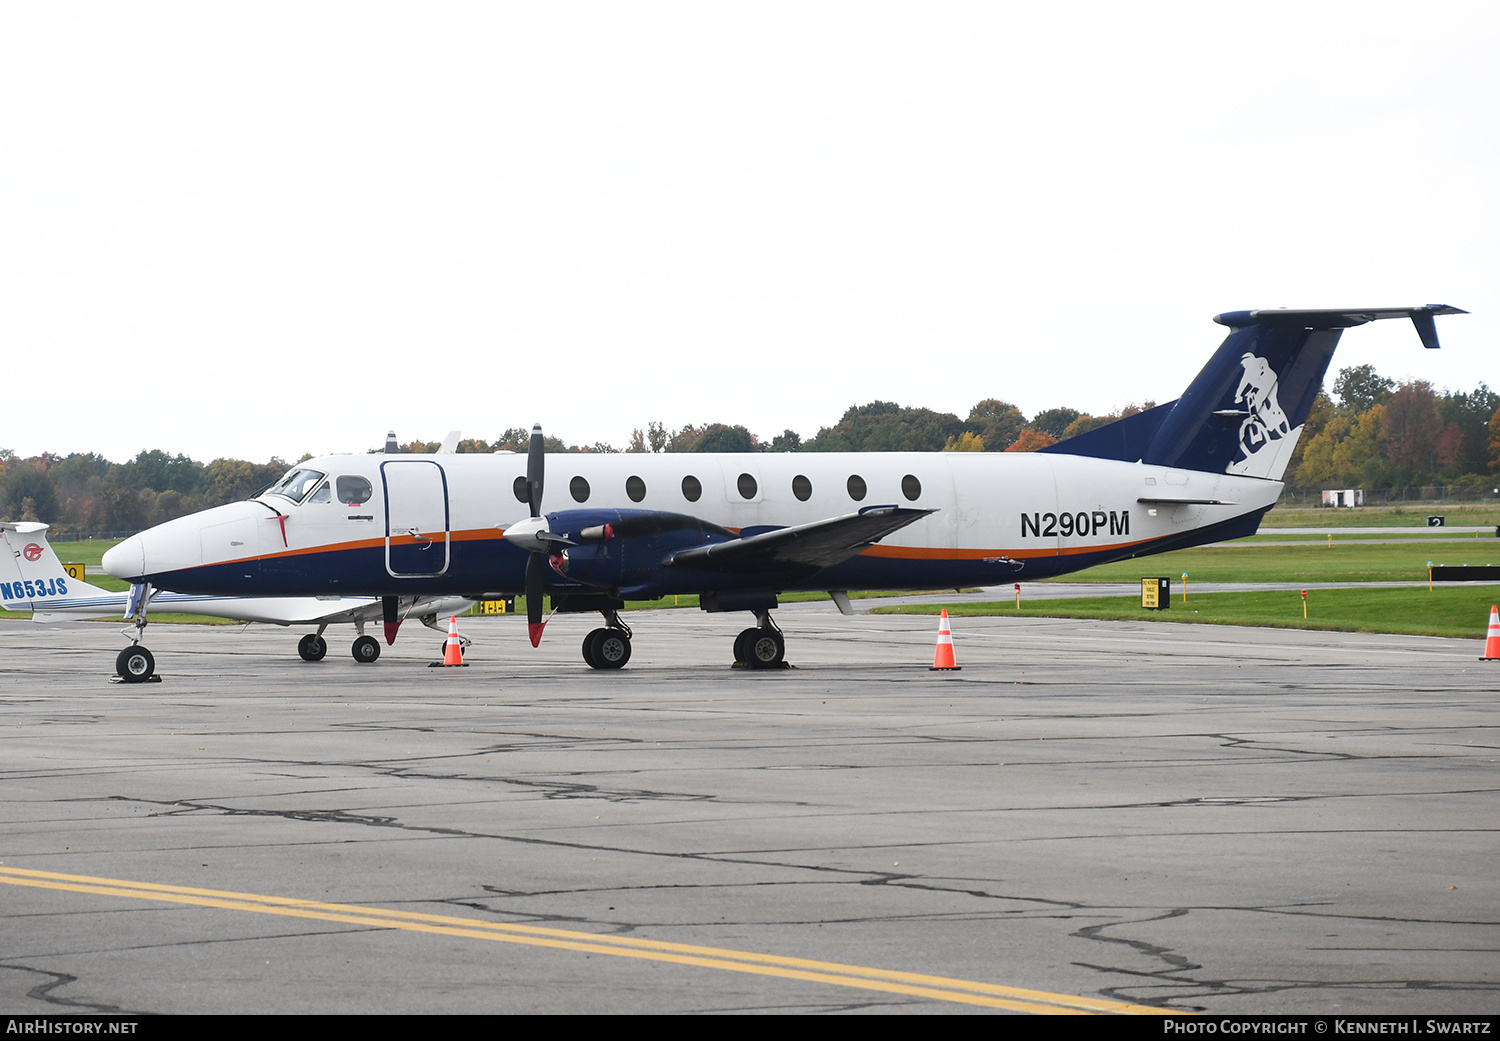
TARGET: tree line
(1370,432)
(1376,433)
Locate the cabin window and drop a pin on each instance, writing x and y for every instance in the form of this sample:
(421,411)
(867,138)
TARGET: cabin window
(520,490)
(857,488)
(296,484)
(801,488)
(579,489)
(747,486)
(911,487)
(692,488)
(635,488)
(353,491)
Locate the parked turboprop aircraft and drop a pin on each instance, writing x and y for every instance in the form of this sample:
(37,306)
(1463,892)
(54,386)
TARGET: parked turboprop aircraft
(740,529)
(33,579)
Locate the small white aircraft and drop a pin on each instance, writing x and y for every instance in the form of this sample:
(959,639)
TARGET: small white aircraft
(740,529)
(33,579)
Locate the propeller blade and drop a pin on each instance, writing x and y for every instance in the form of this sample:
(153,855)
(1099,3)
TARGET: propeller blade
(535,571)
(535,463)
(388,607)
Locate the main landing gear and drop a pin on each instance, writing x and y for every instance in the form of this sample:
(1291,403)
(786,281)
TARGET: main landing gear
(313,647)
(608,648)
(366,648)
(761,647)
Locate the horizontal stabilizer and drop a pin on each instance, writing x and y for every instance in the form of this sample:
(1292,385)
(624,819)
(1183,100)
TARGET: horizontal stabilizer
(1421,317)
(1185,502)
(819,544)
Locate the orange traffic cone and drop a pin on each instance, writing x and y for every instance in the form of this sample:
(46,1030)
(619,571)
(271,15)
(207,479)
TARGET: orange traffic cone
(453,651)
(942,658)
(1492,641)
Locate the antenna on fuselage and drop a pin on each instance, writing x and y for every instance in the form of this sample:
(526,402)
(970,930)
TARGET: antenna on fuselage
(391,448)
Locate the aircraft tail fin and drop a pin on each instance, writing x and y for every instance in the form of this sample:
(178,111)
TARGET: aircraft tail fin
(1126,439)
(31,576)
(1245,411)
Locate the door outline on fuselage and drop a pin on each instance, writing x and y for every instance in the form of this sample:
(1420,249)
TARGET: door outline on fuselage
(412,560)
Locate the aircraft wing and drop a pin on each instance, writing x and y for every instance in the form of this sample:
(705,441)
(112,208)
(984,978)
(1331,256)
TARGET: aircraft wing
(368,609)
(303,610)
(819,544)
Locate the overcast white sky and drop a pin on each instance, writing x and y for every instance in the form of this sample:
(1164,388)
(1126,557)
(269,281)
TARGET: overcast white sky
(277,228)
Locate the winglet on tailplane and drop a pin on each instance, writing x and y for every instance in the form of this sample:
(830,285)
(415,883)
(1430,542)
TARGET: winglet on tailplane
(1245,410)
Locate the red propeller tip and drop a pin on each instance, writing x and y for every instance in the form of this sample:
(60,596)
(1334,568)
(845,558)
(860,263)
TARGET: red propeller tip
(390,632)
(535,630)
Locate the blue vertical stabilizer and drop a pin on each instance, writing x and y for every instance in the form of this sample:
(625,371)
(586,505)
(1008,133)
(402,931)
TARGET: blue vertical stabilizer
(1245,410)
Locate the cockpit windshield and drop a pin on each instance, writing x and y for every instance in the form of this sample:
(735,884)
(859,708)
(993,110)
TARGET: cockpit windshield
(297,484)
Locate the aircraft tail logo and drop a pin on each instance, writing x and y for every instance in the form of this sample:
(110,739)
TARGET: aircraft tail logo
(1267,422)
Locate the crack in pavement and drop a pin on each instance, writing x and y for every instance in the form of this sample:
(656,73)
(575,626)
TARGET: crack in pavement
(52,980)
(1176,982)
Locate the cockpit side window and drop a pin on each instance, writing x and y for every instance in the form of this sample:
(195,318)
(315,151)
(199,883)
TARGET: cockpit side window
(353,491)
(323,494)
(297,484)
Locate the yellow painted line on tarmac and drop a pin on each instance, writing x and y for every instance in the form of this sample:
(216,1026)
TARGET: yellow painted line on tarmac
(939,988)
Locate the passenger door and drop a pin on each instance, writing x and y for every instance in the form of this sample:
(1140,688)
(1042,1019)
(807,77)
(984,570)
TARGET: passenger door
(416,518)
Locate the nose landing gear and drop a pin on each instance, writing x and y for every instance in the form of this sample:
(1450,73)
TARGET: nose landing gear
(135,664)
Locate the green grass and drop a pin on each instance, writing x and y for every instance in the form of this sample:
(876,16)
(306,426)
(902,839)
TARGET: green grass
(1345,534)
(91,552)
(1267,562)
(1446,611)
(1413,514)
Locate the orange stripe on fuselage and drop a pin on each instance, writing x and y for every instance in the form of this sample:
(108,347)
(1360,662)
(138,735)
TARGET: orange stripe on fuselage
(478,535)
(877,551)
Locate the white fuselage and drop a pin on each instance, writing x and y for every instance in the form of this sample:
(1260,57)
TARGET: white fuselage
(996,516)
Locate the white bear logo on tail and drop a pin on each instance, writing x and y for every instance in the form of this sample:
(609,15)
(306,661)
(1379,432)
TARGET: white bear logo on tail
(1267,423)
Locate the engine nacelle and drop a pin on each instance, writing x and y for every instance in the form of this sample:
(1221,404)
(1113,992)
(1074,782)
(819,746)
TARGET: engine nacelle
(620,549)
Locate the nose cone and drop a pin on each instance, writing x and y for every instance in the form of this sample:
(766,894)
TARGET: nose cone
(230,532)
(127,560)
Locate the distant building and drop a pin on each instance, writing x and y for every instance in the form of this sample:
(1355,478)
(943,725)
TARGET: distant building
(1344,497)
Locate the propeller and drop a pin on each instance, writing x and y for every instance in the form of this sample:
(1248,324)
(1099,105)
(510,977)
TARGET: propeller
(536,564)
(533,535)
